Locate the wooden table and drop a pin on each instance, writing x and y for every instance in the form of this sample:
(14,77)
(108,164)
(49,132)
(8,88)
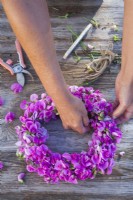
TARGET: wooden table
(117,186)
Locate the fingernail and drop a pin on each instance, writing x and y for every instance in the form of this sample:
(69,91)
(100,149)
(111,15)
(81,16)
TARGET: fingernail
(114,115)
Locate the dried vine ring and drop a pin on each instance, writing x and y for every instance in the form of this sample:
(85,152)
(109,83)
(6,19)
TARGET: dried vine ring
(55,167)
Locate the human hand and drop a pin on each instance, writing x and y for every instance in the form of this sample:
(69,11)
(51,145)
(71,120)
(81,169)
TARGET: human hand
(74,114)
(123,105)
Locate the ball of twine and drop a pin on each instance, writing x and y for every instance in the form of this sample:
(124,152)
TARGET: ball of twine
(98,66)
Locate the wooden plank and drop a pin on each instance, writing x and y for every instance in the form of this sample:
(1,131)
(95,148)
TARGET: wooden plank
(85,3)
(61,34)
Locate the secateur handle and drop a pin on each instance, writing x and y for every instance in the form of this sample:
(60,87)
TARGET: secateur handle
(6,66)
(19,51)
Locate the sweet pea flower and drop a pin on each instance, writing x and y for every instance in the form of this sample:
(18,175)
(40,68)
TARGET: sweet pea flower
(43,95)
(1,165)
(34,97)
(59,165)
(109,171)
(10,116)
(122,153)
(72,179)
(1,101)
(16,88)
(23,104)
(30,168)
(21,177)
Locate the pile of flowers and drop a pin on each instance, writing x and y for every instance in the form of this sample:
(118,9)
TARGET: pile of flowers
(55,167)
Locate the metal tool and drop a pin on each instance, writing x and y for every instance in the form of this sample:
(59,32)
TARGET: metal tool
(72,47)
(18,68)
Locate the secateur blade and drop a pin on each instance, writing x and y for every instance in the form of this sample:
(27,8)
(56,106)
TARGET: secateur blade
(26,72)
(20,79)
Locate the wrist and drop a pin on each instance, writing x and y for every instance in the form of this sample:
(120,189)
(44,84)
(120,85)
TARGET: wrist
(60,95)
(126,76)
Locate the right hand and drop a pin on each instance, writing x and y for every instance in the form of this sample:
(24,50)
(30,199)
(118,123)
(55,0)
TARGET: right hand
(123,104)
(74,114)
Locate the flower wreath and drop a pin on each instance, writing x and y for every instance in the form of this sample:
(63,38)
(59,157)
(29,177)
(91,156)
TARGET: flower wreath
(55,167)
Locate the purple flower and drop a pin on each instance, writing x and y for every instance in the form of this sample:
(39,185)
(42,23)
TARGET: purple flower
(83,173)
(109,171)
(85,160)
(67,156)
(21,177)
(42,114)
(10,116)
(23,105)
(16,88)
(59,165)
(30,168)
(96,158)
(32,127)
(1,101)
(1,165)
(117,136)
(40,171)
(72,179)
(27,138)
(102,166)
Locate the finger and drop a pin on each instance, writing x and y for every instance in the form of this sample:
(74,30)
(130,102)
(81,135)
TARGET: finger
(82,129)
(85,120)
(87,129)
(79,127)
(119,110)
(128,115)
(124,118)
(65,126)
(120,120)
(115,103)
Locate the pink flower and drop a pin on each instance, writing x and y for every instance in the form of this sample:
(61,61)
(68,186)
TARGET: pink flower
(43,95)
(10,116)
(16,88)
(1,101)
(34,97)
(122,153)
(21,177)
(1,165)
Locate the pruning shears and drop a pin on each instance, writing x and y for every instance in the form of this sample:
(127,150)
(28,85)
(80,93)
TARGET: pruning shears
(18,68)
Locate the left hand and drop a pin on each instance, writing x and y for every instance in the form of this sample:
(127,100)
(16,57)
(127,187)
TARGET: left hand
(123,105)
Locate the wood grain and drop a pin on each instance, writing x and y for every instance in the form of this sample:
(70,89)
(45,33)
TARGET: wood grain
(117,186)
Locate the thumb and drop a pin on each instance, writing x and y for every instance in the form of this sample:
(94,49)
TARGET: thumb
(85,129)
(119,110)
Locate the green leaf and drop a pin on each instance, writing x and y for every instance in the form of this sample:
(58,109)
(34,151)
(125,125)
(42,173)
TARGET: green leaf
(64,16)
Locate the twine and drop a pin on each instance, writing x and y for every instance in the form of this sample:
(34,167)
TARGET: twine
(98,66)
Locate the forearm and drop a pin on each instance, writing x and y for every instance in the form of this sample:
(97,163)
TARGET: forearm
(127,44)
(31,24)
